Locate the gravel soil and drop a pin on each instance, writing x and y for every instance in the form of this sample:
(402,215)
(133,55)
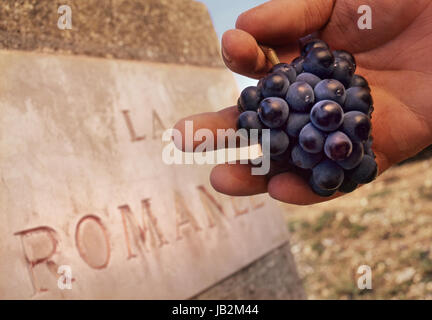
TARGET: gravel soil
(386,225)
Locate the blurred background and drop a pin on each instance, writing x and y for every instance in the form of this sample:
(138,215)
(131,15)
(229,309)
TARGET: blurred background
(224,14)
(386,225)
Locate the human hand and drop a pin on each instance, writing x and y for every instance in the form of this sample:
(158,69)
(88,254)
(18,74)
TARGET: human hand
(394,56)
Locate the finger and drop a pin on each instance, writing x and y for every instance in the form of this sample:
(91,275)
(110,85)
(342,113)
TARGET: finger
(188,127)
(237,180)
(283,22)
(291,188)
(242,54)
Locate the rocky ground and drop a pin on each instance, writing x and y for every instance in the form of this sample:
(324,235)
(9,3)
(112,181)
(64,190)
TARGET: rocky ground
(386,225)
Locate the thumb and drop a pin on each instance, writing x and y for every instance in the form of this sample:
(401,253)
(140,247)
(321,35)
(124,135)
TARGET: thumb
(284,21)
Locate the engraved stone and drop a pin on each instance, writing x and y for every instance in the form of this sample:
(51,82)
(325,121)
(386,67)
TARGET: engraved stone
(77,188)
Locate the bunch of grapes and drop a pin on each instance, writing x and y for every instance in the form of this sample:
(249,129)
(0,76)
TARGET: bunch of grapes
(319,115)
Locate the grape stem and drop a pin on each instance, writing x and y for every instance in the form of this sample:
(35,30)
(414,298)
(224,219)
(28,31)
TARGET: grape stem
(270,54)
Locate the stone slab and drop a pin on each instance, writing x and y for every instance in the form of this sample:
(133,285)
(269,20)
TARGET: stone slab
(173,31)
(83,183)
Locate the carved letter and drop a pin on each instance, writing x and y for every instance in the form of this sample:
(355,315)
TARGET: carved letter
(149,223)
(130,127)
(158,127)
(239,211)
(211,205)
(39,245)
(92,242)
(183,215)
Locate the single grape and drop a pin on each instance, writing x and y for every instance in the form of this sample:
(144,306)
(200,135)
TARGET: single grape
(296,122)
(343,71)
(359,81)
(330,89)
(311,139)
(249,120)
(358,99)
(275,85)
(285,157)
(309,78)
(300,97)
(367,145)
(347,56)
(319,61)
(338,146)
(327,115)
(239,106)
(297,63)
(273,112)
(348,185)
(279,142)
(366,171)
(312,44)
(250,98)
(303,159)
(327,175)
(321,192)
(357,126)
(354,158)
(286,69)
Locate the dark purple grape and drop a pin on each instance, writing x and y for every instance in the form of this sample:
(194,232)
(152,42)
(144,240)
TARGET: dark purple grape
(367,145)
(348,185)
(303,159)
(286,69)
(239,106)
(309,78)
(354,158)
(311,139)
(312,44)
(327,175)
(338,146)
(296,122)
(327,115)
(297,63)
(300,97)
(319,61)
(358,99)
(279,142)
(366,171)
(359,81)
(330,89)
(343,71)
(249,120)
(321,192)
(284,157)
(250,98)
(275,85)
(273,112)
(347,56)
(357,126)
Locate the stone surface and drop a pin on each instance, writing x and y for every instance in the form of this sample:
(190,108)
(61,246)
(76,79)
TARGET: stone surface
(273,276)
(155,30)
(81,172)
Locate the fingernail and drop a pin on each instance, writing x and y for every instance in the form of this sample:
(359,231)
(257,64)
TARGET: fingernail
(226,56)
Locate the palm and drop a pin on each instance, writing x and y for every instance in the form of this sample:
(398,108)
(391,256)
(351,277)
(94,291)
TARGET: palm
(393,56)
